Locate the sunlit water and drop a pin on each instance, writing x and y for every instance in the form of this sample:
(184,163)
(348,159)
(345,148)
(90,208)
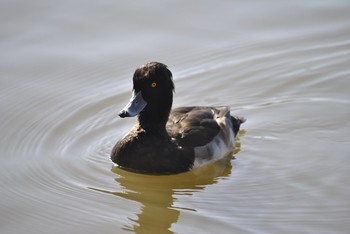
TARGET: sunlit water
(66,71)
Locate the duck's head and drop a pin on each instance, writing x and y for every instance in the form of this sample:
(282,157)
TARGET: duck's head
(152,94)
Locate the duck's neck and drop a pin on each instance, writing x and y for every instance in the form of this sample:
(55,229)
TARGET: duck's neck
(154,118)
(152,126)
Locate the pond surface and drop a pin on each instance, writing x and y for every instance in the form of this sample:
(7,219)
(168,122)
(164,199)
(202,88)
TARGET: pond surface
(65,72)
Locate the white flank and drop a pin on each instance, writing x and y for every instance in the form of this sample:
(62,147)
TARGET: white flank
(221,145)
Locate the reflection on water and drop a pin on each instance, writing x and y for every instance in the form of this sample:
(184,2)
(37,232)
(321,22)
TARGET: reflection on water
(157,194)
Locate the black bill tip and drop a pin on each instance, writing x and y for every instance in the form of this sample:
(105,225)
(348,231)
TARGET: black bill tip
(123,114)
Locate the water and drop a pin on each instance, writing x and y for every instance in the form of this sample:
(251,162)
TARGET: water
(66,71)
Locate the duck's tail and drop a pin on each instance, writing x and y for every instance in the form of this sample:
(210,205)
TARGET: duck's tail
(236,123)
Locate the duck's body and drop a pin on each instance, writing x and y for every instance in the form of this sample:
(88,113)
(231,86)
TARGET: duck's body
(169,142)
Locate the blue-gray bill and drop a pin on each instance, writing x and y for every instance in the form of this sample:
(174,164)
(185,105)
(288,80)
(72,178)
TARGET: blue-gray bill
(135,105)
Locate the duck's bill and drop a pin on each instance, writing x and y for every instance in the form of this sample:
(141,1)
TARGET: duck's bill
(135,105)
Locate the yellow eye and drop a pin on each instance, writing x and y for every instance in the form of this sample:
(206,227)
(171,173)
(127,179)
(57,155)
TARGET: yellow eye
(154,84)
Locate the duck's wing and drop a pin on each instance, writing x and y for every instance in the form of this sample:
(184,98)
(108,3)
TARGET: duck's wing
(197,126)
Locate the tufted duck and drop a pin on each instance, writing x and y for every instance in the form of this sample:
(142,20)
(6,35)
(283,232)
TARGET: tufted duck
(165,141)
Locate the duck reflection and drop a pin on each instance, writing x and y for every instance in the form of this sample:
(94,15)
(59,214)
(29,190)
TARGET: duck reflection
(157,194)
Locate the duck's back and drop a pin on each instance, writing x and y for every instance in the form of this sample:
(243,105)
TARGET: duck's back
(198,125)
(210,131)
(192,126)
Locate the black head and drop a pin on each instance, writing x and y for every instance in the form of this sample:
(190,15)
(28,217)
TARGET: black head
(152,95)
(153,78)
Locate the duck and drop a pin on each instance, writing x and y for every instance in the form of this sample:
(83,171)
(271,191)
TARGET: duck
(166,140)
